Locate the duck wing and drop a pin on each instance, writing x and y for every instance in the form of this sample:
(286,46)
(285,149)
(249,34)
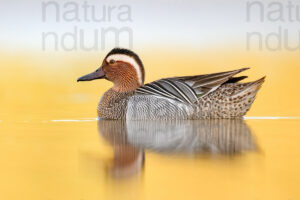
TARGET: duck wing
(188,89)
(170,89)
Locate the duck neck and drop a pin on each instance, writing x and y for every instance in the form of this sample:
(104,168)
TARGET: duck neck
(126,85)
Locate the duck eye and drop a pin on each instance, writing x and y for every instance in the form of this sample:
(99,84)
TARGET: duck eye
(112,61)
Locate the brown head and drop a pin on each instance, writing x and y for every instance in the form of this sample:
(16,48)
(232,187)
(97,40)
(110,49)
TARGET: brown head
(122,67)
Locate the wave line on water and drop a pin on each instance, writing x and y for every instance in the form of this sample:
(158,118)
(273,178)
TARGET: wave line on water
(270,117)
(75,120)
(246,118)
(95,119)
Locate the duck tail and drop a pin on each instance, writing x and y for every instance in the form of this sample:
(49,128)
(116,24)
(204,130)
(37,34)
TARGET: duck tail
(231,100)
(245,95)
(250,87)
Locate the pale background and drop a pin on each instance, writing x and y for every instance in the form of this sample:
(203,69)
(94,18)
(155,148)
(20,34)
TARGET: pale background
(172,38)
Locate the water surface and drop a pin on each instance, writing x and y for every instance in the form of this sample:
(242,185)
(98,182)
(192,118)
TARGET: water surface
(201,159)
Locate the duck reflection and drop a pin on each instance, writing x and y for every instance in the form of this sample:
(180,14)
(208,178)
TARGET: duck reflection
(128,159)
(129,139)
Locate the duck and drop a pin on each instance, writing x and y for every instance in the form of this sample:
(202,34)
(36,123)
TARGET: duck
(207,96)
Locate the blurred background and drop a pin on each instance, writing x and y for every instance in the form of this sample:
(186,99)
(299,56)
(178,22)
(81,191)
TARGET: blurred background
(46,45)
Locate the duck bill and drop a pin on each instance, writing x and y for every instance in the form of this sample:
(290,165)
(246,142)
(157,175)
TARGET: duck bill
(98,74)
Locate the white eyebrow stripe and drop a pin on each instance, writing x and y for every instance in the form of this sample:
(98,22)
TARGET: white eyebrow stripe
(130,60)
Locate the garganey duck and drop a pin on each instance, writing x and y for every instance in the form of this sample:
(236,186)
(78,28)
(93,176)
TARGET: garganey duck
(217,95)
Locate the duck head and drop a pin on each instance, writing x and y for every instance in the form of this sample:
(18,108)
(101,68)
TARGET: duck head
(122,67)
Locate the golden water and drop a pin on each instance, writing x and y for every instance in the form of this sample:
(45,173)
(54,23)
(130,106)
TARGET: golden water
(50,146)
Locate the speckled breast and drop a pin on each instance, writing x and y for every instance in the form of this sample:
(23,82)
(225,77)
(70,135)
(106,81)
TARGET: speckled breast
(113,105)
